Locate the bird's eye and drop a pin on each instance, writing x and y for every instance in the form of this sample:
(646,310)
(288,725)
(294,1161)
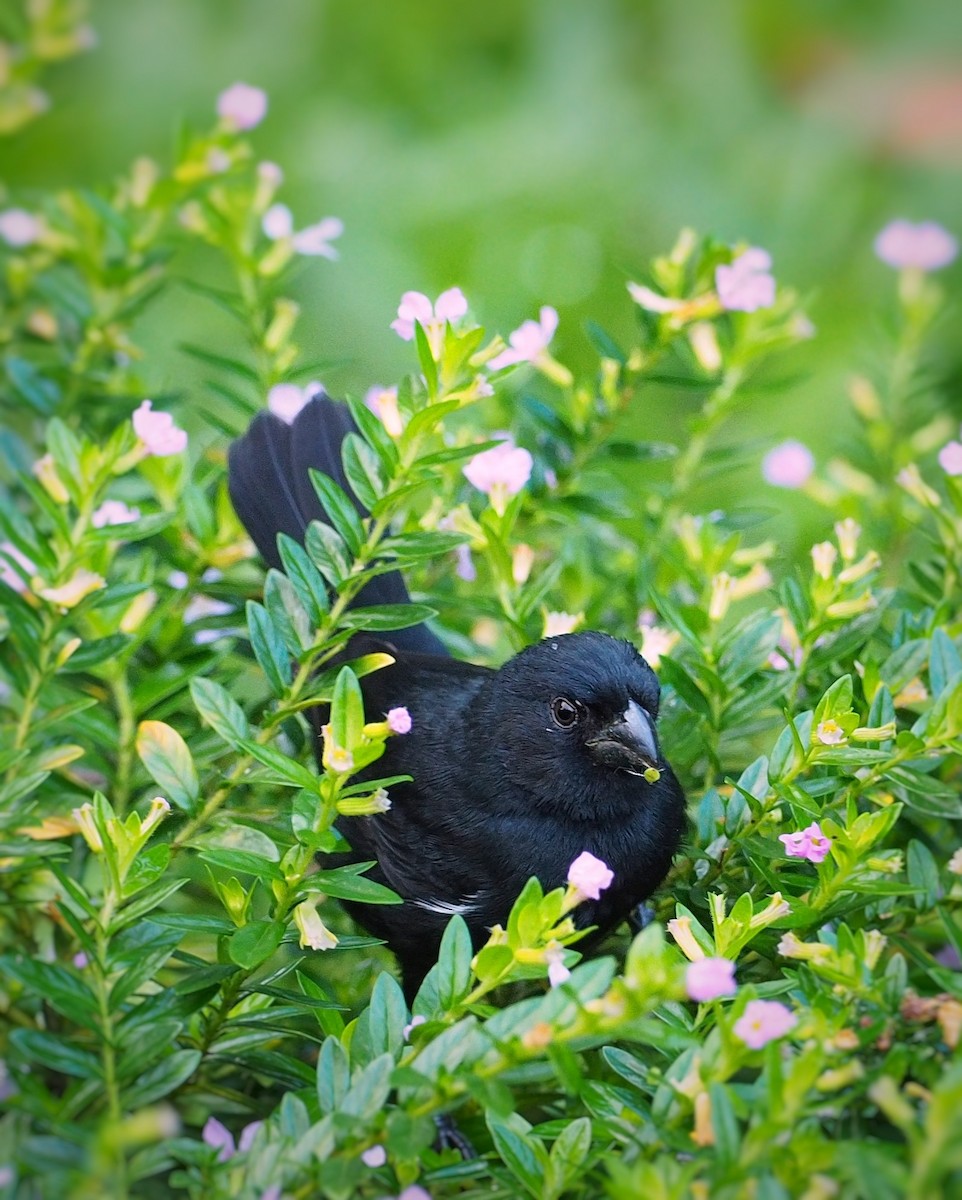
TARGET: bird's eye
(565,712)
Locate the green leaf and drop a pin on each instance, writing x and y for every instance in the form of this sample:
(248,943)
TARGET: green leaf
(380,1027)
(454,963)
(327,552)
(569,1151)
(333,1075)
(60,988)
(363,470)
(268,647)
(220,710)
(724,1124)
(286,769)
(369,1089)
(165,755)
(162,1079)
(347,710)
(305,577)
(287,612)
(346,886)
(340,508)
(945,662)
(426,359)
(372,428)
(55,1053)
(386,617)
(255,943)
(522,1154)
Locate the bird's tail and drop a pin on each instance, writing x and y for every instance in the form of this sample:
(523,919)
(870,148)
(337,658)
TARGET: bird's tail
(270,488)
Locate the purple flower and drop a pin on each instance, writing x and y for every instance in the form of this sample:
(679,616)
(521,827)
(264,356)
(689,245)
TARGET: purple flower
(710,978)
(745,284)
(19,228)
(762,1022)
(810,844)
(374,1156)
(399,720)
(950,458)
(80,960)
(219,1137)
(558,973)
(412,1025)
(157,431)
(278,222)
(789,465)
(465,569)
(383,402)
(924,247)
(285,400)
(416,307)
(529,341)
(114,512)
(316,239)
(242,106)
(589,876)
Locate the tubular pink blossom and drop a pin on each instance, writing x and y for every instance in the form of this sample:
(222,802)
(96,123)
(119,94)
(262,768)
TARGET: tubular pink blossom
(590,876)
(950,458)
(529,341)
(451,306)
(762,1022)
(924,247)
(789,465)
(507,467)
(242,106)
(157,431)
(710,978)
(399,720)
(314,240)
(19,228)
(277,222)
(745,285)
(114,512)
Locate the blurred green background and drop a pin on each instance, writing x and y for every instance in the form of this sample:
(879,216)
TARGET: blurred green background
(539,151)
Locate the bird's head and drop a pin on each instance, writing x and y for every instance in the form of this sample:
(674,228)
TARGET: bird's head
(572,720)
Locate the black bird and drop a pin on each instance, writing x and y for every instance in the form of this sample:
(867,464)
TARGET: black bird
(515,771)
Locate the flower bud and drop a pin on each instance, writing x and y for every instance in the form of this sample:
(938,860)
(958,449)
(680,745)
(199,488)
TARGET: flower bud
(847,532)
(314,934)
(77,587)
(46,472)
(860,569)
(874,945)
(680,930)
(865,399)
(365,806)
(282,324)
(68,649)
(522,560)
(852,608)
(137,611)
(159,808)
(84,816)
(824,555)
(911,480)
(721,596)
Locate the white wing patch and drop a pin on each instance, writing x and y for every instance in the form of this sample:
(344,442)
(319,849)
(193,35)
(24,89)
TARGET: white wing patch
(447,909)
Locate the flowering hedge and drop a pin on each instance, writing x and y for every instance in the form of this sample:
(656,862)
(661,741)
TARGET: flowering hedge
(187,1009)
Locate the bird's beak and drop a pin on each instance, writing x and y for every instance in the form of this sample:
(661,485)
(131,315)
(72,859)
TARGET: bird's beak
(628,743)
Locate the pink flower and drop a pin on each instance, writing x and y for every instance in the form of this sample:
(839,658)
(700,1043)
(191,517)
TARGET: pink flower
(762,1022)
(810,843)
(114,512)
(316,239)
(465,569)
(830,733)
(926,246)
(219,1137)
(241,106)
(383,402)
(500,472)
(415,306)
(278,222)
(589,876)
(8,574)
(19,227)
(399,720)
(414,1193)
(950,458)
(285,400)
(558,973)
(789,465)
(745,284)
(413,1024)
(157,431)
(710,978)
(80,960)
(529,341)
(374,1156)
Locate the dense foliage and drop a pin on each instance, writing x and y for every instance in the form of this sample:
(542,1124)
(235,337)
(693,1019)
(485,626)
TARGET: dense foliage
(185,1007)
